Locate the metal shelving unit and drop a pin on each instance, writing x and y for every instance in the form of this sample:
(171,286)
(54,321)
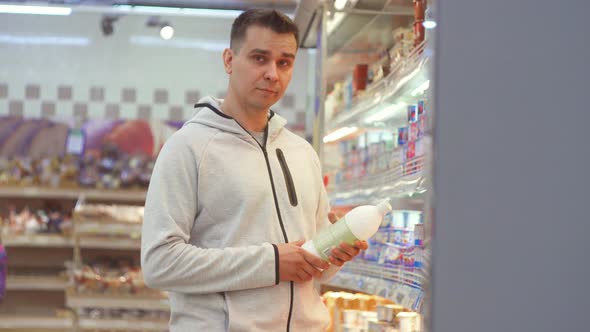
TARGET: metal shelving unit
(106,301)
(44,283)
(73,194)
(96,235)
(37,241)
(35,323)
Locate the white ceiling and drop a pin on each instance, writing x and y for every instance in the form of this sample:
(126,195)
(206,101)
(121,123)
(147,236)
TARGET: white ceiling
(283,5)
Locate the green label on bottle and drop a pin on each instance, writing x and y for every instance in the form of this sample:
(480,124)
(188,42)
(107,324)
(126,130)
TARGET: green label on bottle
(331,237)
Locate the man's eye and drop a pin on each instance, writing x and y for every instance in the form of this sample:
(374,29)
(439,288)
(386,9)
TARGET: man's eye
(285,63)
(259,58)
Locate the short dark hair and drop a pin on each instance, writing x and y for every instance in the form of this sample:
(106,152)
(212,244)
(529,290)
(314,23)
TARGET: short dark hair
(266,18)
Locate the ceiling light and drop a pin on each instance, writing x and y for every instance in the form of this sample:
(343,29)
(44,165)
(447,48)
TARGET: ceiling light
(429,24)
(44,40)
(338,134)
(38,10)
(429,20)
(167,31)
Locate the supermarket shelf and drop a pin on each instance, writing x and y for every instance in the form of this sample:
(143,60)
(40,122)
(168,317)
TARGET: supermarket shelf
(396,182)
(122,324)
(99,227)
(45,283)
(37,240)
(27,323)
(408,75)
(97,242)
(402,287)
(73,193)
(74,300)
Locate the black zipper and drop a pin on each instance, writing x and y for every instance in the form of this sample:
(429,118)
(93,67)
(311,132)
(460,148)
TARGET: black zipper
(288,177)
(274,192)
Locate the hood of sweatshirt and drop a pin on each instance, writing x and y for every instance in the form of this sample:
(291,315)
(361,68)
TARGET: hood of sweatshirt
(208,113)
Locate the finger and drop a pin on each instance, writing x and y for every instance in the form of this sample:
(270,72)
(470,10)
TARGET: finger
(332,217)
(341,255)
(362,245)
(312,271)
(298,243)
(351,250)
(335,261)
(317,262)
(303,276)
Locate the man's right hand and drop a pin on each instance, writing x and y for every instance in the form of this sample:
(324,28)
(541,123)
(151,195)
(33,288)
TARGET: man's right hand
(298,265)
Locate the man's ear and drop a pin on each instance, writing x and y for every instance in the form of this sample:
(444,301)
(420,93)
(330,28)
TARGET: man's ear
(228,58)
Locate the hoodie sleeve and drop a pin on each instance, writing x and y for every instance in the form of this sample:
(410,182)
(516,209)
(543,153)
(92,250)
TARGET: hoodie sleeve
(169,262)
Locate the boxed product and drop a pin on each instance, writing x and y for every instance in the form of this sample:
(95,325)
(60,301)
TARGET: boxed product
(412,113)
(402,135)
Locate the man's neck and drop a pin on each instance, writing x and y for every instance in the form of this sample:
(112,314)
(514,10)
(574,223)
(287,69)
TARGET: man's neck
(253,120)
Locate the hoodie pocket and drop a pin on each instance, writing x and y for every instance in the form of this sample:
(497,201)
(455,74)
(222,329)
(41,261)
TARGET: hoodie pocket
(288,178)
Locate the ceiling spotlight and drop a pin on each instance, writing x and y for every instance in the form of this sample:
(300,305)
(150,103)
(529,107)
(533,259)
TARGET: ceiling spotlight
(166,31)
(106,24)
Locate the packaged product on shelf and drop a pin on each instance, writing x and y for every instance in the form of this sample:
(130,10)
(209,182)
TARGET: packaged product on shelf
(382,235)
(413,132)
(408,258)
(111,276)
(400,219)
(109,213)
(359,78)
(52,219)
(419,235)
(402,136)
(422,126)
(348,92)
(373,253)
(387,221)
(408,321)
(392,256)
(418,257)
(410,150)
(419,32)
(421,108)
(412,113)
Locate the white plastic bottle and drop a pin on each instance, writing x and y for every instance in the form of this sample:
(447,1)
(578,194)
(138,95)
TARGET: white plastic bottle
(359,223)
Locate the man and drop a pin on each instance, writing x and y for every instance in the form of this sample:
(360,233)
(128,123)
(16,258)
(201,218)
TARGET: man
(234,195)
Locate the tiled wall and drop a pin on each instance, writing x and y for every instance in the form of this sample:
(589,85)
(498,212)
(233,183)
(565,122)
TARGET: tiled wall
(64,66)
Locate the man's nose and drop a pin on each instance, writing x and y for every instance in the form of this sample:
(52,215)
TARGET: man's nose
(271,72)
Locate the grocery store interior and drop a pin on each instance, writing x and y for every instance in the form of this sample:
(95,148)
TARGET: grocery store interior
(469,116)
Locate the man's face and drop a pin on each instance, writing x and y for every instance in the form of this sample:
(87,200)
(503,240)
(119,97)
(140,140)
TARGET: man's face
(261,69)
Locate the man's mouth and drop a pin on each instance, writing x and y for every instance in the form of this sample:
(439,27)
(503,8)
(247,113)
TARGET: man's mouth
(267,90)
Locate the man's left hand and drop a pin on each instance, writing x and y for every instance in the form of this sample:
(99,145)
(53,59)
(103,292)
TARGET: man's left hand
(346,252)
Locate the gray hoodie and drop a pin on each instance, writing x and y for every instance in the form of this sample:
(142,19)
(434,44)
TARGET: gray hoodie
(217,204)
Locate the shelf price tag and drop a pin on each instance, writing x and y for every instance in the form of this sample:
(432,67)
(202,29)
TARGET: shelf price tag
(75,142)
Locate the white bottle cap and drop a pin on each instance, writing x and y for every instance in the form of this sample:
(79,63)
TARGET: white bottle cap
(384,207)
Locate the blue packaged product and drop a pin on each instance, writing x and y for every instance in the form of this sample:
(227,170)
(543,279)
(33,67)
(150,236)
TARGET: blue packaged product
(402,135)
(412,113)
(392,255)
(372,253)
(387,220)
(397,237)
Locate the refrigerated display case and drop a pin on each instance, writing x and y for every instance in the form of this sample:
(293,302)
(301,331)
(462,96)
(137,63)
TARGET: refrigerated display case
(374,120)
